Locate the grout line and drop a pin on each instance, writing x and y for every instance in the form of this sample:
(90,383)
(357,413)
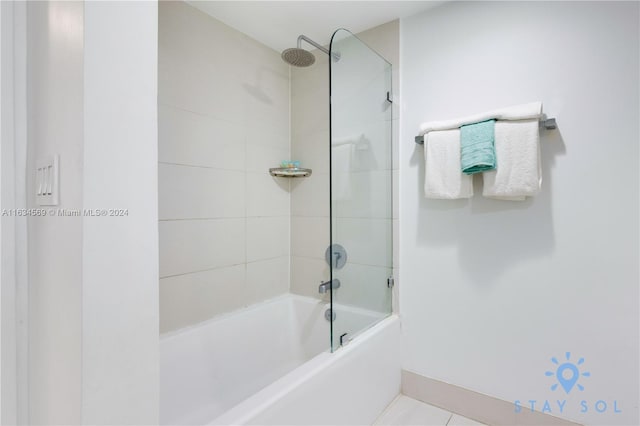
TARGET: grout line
(187,219)
(309,217)
(216,118)
(170,163)
(201,270)
(321,259)
(450,417)
(244,171)
(202,114)
(290,184)
(344,217)
(222,218)
(363,217)
(245,291)
(267,259)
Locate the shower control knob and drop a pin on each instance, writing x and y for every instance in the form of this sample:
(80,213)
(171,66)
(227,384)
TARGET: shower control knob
(336,256)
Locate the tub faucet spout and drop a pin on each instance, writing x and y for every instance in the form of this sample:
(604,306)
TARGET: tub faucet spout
(326,286)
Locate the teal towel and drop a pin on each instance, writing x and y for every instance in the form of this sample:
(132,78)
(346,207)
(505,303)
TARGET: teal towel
(477,147)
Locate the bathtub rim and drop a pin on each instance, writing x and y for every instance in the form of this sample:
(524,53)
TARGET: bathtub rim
(257,403)
(285,297)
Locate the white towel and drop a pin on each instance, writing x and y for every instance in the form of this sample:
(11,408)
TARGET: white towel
(341,159)
(518,173)
(444,178)
(516,112)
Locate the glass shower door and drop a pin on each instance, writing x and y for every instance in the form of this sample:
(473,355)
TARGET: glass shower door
(361,183)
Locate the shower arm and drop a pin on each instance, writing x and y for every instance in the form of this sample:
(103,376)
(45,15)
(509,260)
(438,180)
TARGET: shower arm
(336,56)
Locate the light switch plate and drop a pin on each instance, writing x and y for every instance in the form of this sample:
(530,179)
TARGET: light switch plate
(47,181)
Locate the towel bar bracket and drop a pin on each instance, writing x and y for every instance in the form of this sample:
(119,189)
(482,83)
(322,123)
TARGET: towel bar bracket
(547,123)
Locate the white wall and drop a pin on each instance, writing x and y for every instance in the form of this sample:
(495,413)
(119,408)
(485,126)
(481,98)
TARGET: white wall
(93,294)
(3,61)
(223,122)
(492,290)
(55,126)
(120,367)
(14,228)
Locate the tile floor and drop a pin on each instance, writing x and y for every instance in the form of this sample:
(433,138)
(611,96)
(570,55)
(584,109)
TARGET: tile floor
(405,411)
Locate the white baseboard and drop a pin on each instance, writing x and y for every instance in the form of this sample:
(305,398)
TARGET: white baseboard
(482,408)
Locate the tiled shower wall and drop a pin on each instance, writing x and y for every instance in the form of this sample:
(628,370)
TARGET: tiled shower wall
(223,121)
(310,196)
(230,234)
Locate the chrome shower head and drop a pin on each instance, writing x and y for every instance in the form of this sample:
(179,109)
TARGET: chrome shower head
(298,57)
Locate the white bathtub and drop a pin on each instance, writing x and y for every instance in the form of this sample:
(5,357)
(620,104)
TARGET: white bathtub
(269,364)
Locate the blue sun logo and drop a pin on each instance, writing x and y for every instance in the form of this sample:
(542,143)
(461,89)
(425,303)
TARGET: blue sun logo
(567,374)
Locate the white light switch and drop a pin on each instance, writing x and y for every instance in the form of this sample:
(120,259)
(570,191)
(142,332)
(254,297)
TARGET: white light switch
(47,181)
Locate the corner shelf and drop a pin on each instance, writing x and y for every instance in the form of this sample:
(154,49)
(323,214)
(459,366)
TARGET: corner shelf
(290,172)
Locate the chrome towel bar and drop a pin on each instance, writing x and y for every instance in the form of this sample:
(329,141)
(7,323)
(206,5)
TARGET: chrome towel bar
(547,123)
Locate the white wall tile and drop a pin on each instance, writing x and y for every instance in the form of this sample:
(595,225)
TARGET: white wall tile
(195,297)
(257,133)
(312,150)
(369,195)
(367,241)
(194,192)
(267,195)
(310,196)
(263,57)
(197,245)
(215,70)
(267,279)
(371,141)
(359,87)
(267,237)
(307,274)
(199,64)
(310,109)
(309,236)
(262,153)
(185,137)
(266,95)
(304,80)
(385,40)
